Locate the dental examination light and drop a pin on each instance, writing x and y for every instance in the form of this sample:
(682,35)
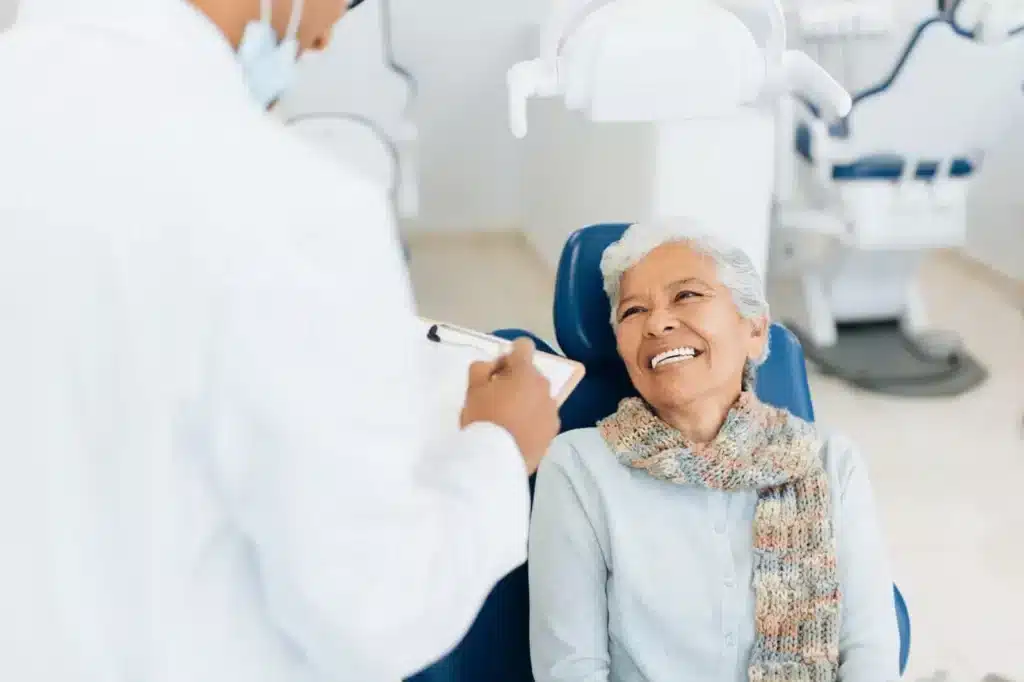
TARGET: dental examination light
(660,60)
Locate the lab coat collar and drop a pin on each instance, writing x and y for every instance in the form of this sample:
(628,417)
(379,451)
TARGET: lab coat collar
(174,27)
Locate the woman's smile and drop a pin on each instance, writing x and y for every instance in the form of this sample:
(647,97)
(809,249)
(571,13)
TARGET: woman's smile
(673,356)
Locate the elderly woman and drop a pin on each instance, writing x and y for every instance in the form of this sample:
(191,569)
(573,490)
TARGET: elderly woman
(697,534)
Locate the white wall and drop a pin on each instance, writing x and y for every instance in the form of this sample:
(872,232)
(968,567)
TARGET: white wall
(459,51)
(995,233)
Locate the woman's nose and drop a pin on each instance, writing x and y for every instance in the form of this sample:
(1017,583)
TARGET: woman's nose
(660,322)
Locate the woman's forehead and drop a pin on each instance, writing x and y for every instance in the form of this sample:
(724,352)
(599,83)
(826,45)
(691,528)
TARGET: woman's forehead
(670,263)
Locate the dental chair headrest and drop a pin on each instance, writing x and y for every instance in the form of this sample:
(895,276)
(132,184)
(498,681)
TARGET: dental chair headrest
(582,309)
(583,327)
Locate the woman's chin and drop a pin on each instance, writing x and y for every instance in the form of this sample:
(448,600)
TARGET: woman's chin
(672,390)
(678,374)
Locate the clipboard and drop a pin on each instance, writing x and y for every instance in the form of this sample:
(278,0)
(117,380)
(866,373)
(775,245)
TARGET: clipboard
(462,347)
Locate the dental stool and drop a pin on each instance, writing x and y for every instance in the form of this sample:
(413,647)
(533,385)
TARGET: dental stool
(497,648)
(873,194)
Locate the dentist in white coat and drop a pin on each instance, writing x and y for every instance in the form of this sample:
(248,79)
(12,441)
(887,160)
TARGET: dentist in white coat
(211,460)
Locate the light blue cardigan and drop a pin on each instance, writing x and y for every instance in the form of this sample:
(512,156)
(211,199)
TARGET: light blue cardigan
(634,579)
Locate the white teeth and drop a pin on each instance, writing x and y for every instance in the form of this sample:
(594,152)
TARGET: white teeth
(670,356)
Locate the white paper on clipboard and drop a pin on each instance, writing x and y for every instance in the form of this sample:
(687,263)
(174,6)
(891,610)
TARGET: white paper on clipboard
(446,371)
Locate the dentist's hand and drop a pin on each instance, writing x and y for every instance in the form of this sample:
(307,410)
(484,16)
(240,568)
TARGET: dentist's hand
(511,393)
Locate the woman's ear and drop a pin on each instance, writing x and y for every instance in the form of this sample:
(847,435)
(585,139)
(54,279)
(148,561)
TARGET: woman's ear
(759,330)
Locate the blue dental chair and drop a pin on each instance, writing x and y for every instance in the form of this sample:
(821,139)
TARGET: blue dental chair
(496,649)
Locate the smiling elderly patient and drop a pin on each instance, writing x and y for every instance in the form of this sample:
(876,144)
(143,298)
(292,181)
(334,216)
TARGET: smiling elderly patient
(697,534)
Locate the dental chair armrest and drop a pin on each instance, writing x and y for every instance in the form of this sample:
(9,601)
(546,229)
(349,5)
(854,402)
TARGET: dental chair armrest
(533,78)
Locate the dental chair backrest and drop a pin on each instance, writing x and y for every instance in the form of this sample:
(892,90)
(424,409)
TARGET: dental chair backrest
(659,60)
(946,97)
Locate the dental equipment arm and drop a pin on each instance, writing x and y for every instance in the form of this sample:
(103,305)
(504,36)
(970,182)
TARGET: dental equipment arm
(526,80)
(802,75)
(539,77)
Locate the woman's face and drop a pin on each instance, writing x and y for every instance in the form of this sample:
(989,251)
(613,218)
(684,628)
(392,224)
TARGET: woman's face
(679,331)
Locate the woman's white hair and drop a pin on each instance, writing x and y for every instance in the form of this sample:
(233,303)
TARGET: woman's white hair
(735,270)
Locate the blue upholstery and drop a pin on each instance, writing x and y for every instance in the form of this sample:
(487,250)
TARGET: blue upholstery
(881,166)
(497,647)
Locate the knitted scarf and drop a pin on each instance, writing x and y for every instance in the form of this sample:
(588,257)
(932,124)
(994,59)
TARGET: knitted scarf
(769,450)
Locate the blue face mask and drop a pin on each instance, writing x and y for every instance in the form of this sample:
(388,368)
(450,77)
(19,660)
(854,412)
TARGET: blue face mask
(270,64)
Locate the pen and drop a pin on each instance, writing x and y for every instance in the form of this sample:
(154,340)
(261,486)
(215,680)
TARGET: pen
(488,342)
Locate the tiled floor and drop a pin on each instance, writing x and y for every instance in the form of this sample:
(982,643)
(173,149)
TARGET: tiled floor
(948,474)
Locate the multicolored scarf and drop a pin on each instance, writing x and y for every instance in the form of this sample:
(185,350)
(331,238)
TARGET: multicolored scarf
(766,449)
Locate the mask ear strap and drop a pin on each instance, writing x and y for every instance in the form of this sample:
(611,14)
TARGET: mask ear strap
(296,20)
(266,11)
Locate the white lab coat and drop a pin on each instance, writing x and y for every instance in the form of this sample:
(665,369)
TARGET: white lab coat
(211,460)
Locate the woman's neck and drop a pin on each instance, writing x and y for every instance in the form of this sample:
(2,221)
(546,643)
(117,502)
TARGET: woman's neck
(701,419)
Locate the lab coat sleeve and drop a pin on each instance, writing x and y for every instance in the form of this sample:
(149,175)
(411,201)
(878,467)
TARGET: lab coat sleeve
(568,574)
(374,553)
(869,635)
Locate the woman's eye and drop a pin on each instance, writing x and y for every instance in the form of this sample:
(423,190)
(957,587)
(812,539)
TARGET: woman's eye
(630,311)
(682,295)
